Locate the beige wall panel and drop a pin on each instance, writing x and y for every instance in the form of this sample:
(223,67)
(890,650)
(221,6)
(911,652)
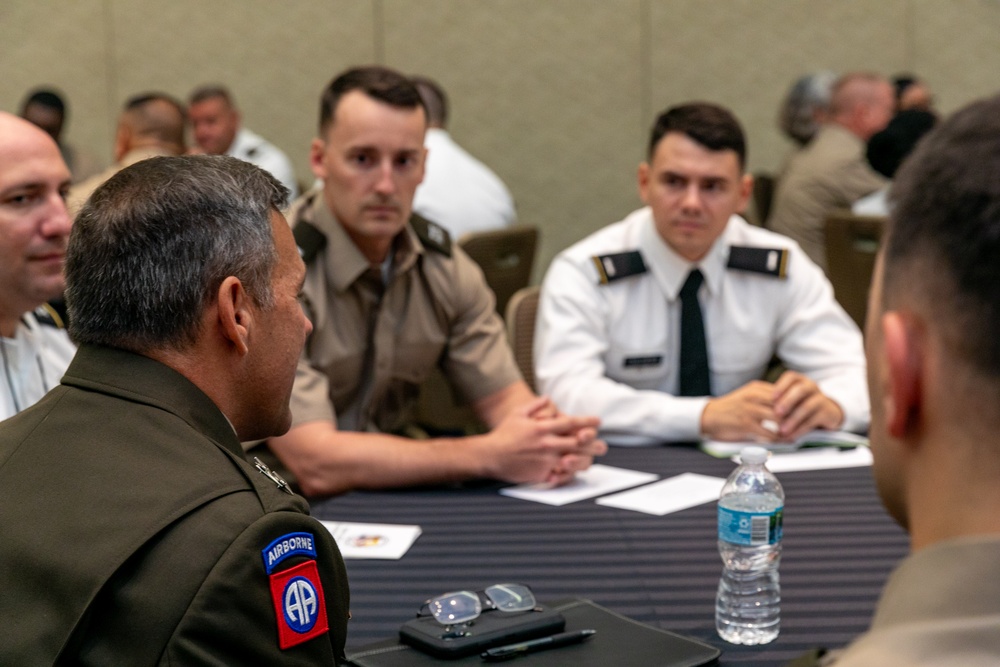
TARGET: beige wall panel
(745,54)
(64,45)
(957,51)
(276,57)
(546,93)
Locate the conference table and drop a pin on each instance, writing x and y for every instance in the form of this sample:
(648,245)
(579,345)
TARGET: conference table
(839,546)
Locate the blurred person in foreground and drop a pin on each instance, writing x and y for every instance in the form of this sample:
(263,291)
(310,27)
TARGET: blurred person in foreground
(933,347)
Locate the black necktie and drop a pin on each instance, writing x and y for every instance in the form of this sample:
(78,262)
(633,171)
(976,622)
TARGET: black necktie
(694,351)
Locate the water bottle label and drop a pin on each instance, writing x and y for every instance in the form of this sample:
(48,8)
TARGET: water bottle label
(750,528)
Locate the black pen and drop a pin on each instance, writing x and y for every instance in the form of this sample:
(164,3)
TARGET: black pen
(553,641)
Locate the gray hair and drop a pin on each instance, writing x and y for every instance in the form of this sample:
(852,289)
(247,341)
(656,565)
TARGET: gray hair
(805,105)
(151,247)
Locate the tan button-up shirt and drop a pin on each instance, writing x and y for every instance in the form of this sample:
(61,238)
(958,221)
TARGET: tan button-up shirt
(373,344)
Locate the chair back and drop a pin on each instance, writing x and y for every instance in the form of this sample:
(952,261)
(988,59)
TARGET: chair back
(762,196)
(852,241)
(506,257)
(522,309)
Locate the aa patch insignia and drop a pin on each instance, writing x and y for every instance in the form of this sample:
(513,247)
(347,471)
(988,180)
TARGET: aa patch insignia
(299,604)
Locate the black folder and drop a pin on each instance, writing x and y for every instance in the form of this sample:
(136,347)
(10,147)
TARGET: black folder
(619,641)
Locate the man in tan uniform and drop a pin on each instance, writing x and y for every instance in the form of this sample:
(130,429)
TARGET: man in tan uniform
(150,124)
(391,297)
(831,172)
(933,344)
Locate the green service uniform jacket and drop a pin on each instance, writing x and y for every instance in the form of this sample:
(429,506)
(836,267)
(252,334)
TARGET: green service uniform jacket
(134,532)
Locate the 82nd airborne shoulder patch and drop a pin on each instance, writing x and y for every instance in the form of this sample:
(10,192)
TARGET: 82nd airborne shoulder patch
(297,593)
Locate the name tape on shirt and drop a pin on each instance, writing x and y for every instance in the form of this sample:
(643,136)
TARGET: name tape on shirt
(286,546)
(299,604)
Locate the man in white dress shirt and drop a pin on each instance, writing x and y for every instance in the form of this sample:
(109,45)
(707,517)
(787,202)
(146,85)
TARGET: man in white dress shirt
(218,130)
(34,228)
(458,192)
(610,325)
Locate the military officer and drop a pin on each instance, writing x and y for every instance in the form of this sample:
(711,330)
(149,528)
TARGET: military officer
(391,297)
(687,273)
(160,543)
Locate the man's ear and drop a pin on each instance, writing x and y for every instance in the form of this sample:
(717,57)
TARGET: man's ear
(317,151)
(904,352)
(746,190)
(643,176)
(235,315)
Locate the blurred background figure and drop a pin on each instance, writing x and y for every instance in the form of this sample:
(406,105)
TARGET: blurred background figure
(150,125)
(806,106)
(218,130)
(912,93)
(458,192)
(886,151)
(46,108)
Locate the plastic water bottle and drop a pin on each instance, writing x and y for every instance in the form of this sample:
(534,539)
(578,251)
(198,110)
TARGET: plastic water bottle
(747,607)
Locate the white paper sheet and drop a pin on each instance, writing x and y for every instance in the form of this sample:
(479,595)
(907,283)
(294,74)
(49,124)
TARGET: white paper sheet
(823,458)
(372,540)
(670,495)
(597,480)
(725,450)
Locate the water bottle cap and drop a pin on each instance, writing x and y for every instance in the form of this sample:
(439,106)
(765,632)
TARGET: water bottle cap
(753,455)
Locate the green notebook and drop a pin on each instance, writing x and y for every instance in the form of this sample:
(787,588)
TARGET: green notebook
(619,640)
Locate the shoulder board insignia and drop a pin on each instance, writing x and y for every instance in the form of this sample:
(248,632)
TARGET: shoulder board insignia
(618,265)
(48,315)
(309,240)
(769,261)
(431,234)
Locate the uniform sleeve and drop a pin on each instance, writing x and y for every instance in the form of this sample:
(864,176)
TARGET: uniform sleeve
(294,614)
(478,359)
(818,339)
(571,342)
(310,395)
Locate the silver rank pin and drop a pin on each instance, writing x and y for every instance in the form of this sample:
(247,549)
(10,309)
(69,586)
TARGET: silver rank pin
(273,476)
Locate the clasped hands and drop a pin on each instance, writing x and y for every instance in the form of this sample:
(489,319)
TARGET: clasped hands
(537,443)
(794,405)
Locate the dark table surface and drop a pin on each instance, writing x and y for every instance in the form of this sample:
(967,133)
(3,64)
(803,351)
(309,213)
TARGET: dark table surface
(839,546)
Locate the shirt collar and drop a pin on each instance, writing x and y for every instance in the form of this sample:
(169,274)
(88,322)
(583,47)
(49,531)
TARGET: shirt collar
(671,270)
(348,263)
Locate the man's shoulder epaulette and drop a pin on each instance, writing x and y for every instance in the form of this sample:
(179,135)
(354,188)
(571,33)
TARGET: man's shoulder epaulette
(619,265)
(309,239)
(769,261)
(49,316)
(431,234)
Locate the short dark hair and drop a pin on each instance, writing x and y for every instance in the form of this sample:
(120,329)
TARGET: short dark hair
(434,98)
(943,239)
(380,83)
(151,246)
(46,97)
(210,92)
(710,125)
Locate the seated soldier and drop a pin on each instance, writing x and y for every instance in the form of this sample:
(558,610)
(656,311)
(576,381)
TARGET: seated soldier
(663,323)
